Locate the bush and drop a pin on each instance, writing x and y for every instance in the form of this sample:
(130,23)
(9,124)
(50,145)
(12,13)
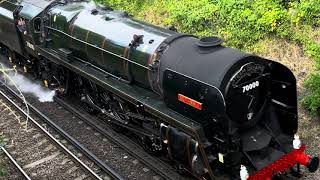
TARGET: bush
(240,22)
(312,100)
(130,6)
(308,12)
(193,17)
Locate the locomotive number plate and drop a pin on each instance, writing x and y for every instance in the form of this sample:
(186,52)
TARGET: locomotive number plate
(251,86)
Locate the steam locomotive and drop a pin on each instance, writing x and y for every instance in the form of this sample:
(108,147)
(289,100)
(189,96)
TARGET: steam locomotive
(212,110)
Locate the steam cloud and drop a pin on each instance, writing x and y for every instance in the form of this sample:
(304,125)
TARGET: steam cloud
(27,86)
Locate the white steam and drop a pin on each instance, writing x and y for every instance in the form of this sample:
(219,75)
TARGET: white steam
(25,85)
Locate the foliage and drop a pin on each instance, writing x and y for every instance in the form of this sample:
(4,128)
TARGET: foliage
(241,23)
(129,6)
(312,101)
(3,171)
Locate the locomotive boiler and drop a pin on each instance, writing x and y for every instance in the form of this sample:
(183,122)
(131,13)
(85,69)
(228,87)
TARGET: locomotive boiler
(209,108)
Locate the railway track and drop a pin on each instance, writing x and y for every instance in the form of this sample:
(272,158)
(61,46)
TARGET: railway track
(43,149)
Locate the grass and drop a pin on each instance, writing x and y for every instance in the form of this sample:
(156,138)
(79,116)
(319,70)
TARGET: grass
(3,171)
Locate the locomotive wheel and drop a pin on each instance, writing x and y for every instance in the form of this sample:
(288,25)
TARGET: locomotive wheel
(11,56)
(78,88)
(114,126)
(118,109)
(152,145)
(89,109)
(62,77)
(181,169)
(2,50)
(117,128)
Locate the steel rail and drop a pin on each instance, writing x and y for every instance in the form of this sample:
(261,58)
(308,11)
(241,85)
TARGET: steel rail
(62,147)
(15,163)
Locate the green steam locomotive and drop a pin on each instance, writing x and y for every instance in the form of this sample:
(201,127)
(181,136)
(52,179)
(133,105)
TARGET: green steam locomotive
(212,110)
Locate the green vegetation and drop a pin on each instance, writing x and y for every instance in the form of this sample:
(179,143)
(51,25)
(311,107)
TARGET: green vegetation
(3,171)
(242,24)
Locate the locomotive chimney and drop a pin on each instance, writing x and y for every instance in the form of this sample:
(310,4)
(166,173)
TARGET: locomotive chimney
(207,42)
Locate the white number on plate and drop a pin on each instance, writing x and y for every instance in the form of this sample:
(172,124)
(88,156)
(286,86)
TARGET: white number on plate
(251,86)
